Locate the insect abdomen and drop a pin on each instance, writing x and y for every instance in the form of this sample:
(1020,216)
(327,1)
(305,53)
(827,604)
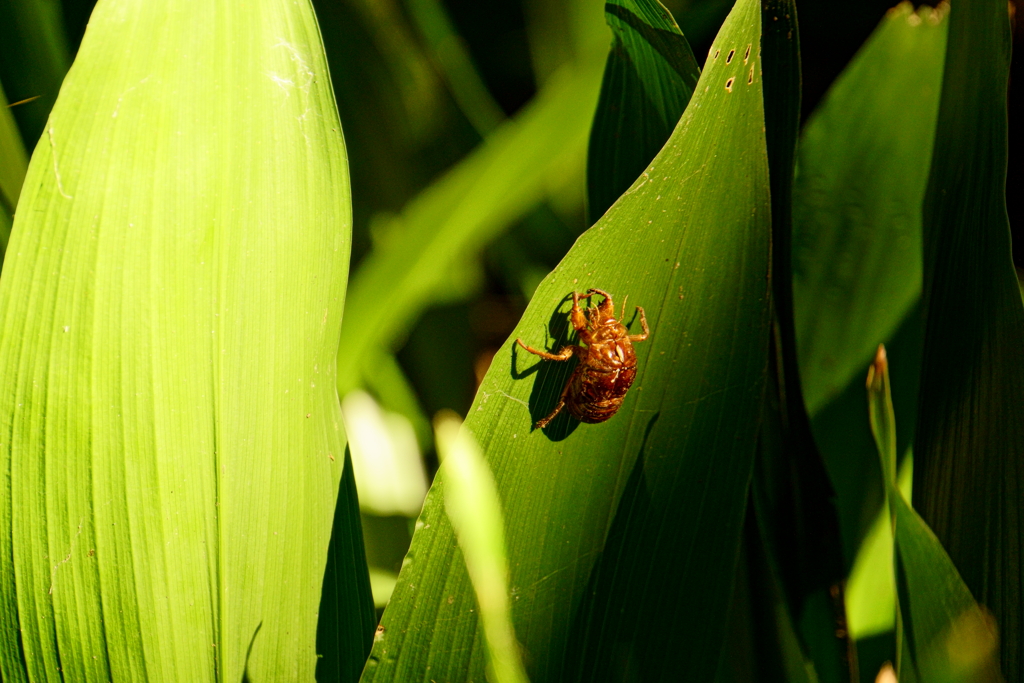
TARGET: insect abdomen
(596,395)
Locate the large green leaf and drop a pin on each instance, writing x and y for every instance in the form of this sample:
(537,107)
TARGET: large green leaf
(861,178)
(623,536)
(34,57)
(648,79)
(942,632)
(171,302)
(969,444)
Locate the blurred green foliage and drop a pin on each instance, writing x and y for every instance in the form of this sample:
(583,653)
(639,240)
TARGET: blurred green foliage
(467,128)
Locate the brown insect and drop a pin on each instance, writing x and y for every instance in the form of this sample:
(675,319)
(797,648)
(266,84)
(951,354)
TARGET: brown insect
(607,364)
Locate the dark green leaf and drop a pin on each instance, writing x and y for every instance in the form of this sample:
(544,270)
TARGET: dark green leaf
(12,170)
(969,444)
(763,643)
(792,491)
(648,79)
(344,630)
(623,536)
(456,65)
(942,633)
(34,57)
(860,182)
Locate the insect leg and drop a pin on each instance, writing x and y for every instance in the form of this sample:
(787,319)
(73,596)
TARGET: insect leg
(565,354)
(579,321)
(643,324)
(543,422)
(606,307)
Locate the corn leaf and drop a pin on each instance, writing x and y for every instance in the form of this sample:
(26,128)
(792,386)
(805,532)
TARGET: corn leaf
(969,443)
(792,495)
(942,633)
(862,173)
(763,642)
(648,79)
(171,302)
(474,511)
(623,536)
(347,618)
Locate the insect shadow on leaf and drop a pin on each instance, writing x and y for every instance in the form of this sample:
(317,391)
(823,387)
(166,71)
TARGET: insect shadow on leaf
(597,384)
(551,377)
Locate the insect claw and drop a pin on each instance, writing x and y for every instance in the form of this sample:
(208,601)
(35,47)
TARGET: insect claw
(544,421)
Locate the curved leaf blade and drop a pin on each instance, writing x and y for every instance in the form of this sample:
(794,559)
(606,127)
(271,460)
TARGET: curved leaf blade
(969,443)
(474,511)
(862,174)
(943,634)
(668,474)
(649,78)
(792,494)
(171,304)
(858,195)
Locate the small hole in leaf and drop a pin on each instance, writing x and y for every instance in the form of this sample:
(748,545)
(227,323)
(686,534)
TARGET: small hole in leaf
(732,53)
(750,77)
(728,84)
(717,52)
(746,55)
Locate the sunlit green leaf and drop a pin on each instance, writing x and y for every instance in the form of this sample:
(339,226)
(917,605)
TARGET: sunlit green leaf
(870,588)
(648,79)
(862,173)
(171,301)
(388,382)
(969,444)
(382,582)
(386,459)
(474,511)
(623,536)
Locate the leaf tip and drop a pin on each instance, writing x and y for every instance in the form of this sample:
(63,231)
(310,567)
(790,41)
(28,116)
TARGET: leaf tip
(878,369)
